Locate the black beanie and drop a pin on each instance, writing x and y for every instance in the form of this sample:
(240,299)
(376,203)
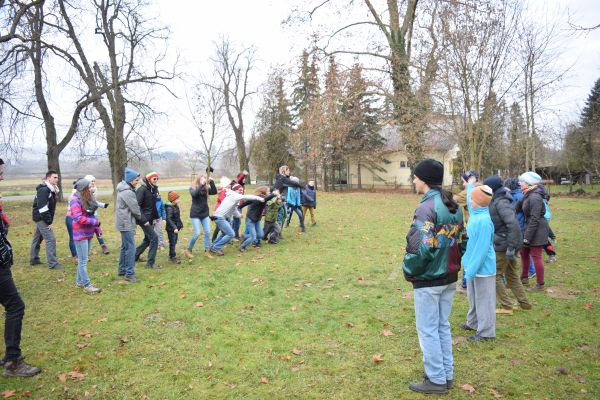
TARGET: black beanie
(494,182)
(430,171)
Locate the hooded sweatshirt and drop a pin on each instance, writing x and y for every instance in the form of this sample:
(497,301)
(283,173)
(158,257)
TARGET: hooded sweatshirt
(127,209)
(228,206)
(480,258)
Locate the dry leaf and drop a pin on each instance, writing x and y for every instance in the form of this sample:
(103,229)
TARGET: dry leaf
(76,375)
(468,388)
(296,352)
(82,345)
(561,370)
(377,358)
(387,333)
(495,393)
(330,354)
(27,394)
(264,380)
(293,308)
(182,295)
(285,357)
(85,333)
(144,397)
(205,297)
(459,340)
(124,340)
(198,304)
(163,283)
(588,306)
(62,377)
(102,319)
(8,393)
(349,324)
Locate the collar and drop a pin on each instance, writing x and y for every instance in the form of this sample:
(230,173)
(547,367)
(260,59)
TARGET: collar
(530,189)
(53,188)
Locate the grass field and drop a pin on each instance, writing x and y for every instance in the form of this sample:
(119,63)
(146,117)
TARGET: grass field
(301,319)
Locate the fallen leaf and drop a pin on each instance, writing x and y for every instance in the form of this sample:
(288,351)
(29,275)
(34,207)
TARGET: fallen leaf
(377,358)
(205,297)
(579,378)
(285,357)
(198,304)
(255,280)
(264,380)
(329,353)
(588,306)
(144,397)
(62,377)
(76,375)
(182,295)
(27,394)
(468,388)
(293,308)
(82,345)
(297,352)
(561,370)
(495,393)
(102,319)
(459,340)
(163,283)
(85,333)
(124,340)
(8,393)
(387,333)
(349,324)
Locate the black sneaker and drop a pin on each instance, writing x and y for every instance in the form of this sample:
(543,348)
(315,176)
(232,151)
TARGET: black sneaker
(175,260)
(132,279)
(477,338)
(217,252)
(467,327)
(153,266)
(449,382)
(57,267)
(242,249)
(35,262)
(428,387)
(20,368)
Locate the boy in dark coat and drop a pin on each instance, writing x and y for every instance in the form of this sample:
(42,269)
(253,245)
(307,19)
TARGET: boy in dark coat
(42,214)
(174,224)
(309,201)
(147,195)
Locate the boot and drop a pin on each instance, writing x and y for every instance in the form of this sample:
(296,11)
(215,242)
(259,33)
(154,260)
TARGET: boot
(105,249)
(538,288)
(208,255)
(428,387)
(20,368)
(188,253)
(175,260)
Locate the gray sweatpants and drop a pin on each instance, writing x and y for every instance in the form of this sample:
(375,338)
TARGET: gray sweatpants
(481,293)
(158,229)
(42,232)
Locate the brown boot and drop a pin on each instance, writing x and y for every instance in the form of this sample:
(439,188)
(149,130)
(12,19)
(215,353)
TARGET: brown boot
(538,288)
(75,260)
(208,255)
(105,249)
(188,253)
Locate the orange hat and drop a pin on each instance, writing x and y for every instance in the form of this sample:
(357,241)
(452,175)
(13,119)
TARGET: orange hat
(172,196)
(482,195)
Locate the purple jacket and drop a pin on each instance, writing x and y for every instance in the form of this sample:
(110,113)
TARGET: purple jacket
(84,222)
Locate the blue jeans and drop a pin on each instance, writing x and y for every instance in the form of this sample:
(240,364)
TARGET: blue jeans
(227,233)
(432,310)
(69,223)
(127,256)
(82,247)
(235,225)
(255,232)
(198,223)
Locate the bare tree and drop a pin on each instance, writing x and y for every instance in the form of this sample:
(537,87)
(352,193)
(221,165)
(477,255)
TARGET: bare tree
(233,68)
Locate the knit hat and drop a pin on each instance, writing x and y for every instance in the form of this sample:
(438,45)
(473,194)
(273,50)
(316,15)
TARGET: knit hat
(493,182)
(151,174)
(130,174)
(90,177)
(511,183)
(530,178)
(81,184)
(482,195)
(172,196)
(236,186)
(469,174)
(430,171)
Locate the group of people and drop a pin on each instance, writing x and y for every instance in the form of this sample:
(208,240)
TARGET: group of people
(482,229)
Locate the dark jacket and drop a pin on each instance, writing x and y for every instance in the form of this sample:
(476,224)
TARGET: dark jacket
(255,208)
(200,200)
(433,243)
(173,217)
(283,182)
(309,196)
(507,233)
(536,227)
(44,204)
(146,195)
(6,253)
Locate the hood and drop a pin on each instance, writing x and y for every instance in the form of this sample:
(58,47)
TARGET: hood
(122,186)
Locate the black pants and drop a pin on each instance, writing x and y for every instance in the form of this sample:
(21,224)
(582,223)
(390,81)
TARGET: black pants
(15,310)
(172,243)
(150,240)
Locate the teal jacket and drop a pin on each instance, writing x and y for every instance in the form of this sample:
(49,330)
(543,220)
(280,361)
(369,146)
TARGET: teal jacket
(480,257)
(434,242)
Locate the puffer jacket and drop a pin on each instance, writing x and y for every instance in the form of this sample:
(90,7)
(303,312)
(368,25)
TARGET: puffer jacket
(434,243)
(147,195)
(536,226)
(127,209)
(480,257)
(309,196)
(173,220)
(282,183)
(44,204)
(507,233)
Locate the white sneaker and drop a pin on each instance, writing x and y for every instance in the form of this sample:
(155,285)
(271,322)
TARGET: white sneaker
(91,289)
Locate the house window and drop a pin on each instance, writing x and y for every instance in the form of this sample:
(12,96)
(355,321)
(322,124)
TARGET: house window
(402,164)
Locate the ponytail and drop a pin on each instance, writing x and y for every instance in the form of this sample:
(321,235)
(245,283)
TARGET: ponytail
(447,199)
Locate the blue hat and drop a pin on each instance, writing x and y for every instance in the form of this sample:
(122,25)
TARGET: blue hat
(530,178)
(494,182)
(130,174)
(511,183)
(469,174)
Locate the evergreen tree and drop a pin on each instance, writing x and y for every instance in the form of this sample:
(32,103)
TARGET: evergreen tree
(590,126)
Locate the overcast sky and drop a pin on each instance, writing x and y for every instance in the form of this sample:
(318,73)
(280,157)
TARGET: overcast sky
(195,25)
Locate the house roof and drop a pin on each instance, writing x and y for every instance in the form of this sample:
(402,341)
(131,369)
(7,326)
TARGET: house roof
(438,136)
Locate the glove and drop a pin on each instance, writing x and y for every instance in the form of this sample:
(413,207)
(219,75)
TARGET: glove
(106,205)
(510,254)
(525,243)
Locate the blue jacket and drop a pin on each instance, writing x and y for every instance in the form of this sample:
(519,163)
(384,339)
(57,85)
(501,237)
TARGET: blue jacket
(480,257)
(517,195)
(309,196)
(293,196)
(160,207)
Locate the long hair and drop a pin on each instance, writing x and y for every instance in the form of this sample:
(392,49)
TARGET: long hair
(197,181)
(261,191)
(447,198)
(86,197)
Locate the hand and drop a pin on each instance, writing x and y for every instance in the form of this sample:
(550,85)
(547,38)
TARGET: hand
(50,227)
(147,223)
(525,243)
(510,254)
(106,205)
(176,231)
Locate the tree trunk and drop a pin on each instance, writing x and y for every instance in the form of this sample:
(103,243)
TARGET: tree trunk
(359,175)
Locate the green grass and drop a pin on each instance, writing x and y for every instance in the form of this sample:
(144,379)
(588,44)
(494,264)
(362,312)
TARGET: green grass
(329,293)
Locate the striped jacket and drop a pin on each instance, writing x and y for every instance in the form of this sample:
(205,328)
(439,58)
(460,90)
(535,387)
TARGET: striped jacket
(84,222)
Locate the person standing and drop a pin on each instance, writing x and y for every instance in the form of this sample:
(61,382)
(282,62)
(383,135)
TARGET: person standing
(127,215)
(44,206)
(537,229)
(147,195)
(162,216)
(309,201)
(83,208)
(99,236)
(199,213)
(236,221)
(14,307)
(431,264)
(470,177)
(508,239)
(173,224)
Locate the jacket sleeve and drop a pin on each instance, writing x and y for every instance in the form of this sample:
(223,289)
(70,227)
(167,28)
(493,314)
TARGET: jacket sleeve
(212,188)
(537,209)
(195,192)
(477,249)
(286,181)
(249,197)
(43,205)
(79,215)
(171,223)
(420,241)
(160,207)
(514,238)
(461,198)
(132,202)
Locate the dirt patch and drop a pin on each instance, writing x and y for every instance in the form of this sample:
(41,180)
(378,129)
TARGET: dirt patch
(174,324)
(562,293)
